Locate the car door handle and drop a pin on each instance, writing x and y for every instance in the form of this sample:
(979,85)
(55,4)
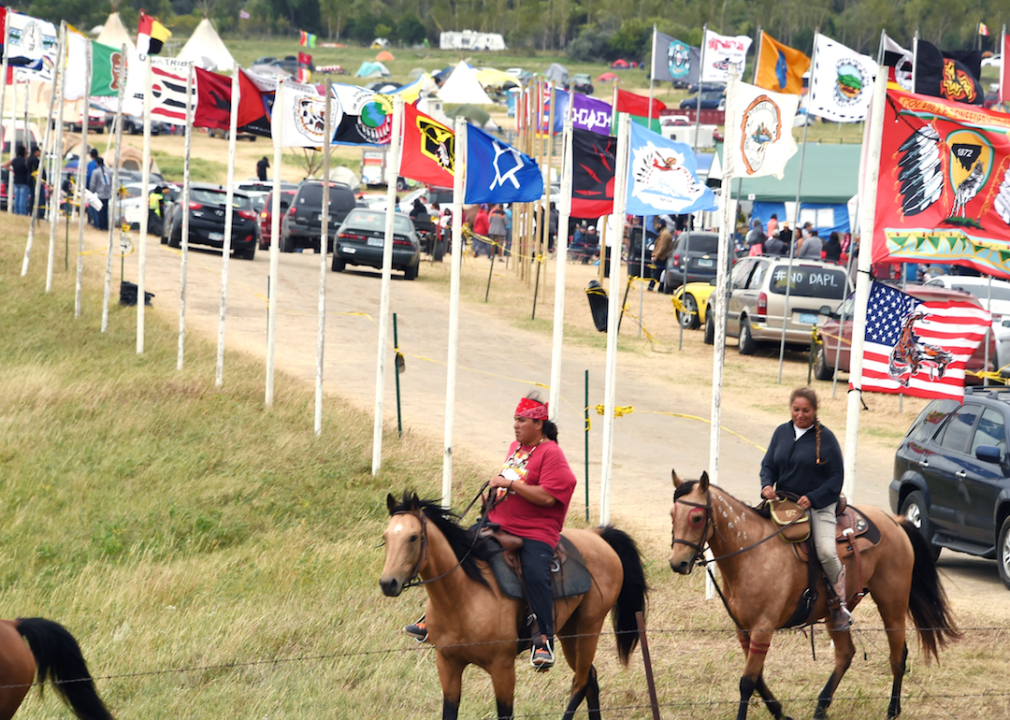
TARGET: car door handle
(961,474)
(924,463)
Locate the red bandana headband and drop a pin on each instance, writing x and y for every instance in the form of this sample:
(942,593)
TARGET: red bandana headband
(531,409)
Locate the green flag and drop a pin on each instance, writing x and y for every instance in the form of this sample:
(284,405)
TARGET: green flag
(107,70)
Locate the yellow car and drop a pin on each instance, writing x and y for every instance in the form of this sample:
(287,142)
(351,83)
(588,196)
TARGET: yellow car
(694,298)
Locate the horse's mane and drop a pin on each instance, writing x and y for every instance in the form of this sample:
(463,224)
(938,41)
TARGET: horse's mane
(460,539)
(688,485)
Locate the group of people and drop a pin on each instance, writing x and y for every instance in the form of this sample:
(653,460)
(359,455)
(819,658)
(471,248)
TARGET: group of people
(22,169)
(804,242)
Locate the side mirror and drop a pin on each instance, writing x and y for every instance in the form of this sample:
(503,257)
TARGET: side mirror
(827,312)
(988,453)
(713,282)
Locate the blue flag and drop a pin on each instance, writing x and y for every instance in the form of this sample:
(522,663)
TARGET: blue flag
(663,177)
(498,173)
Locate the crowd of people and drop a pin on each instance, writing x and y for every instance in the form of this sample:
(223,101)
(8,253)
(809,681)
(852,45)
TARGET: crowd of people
(804,242)
(22,170)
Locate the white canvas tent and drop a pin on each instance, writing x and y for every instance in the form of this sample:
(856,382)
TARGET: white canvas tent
(205,49)
(114,33)
(463,87)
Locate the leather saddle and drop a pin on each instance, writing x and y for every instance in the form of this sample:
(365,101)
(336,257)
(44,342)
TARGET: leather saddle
(569,575)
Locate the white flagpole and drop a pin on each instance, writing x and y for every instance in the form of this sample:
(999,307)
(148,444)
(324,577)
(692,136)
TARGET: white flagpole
(614,311)
(915,58)
(276,121)
(10,131)
(145,189)
(82,175)
(1002,66)
(641,265)
(561,265)
(184,230)
(45,149)
(458,189)
(324,235)
(114,226)
(13,137)
(796,212)
(392,173)
(55,177)
(868,206)
(229,215)
(697,125)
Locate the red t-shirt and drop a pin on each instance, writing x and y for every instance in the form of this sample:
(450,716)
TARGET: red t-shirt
(548,468)
(481,223)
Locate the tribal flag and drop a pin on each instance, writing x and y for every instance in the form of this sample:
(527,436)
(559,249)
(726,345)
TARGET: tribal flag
(983,29)
(304,116)
(593,167)
(920,348)
(721,51)
(663,177)
(949,75)
(780,68)
(304,74)
(898,62)
(256,102)
(213,101)
(151,35)
(588,114)
(944,189)
(674,61)
(306,39)
(763,137)
(498,173)
(168,96)
(841,82)
(367,116)
(429,149)
(31,45)
(108,70)
(638,107)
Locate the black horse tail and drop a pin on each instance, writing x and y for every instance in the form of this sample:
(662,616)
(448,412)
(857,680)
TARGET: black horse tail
(58,659)
(927,602)
(634,591)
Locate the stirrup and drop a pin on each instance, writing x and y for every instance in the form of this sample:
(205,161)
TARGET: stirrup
(417,630)
(841,618)
(542,657)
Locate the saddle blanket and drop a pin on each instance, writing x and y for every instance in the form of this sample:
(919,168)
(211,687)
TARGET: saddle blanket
(569,579)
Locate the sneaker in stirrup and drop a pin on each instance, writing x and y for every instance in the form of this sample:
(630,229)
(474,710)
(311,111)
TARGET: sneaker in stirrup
(542,656)
(841,618)
(418,630)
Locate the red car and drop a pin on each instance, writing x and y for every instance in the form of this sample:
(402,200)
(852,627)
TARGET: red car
(266,213)
(824,365)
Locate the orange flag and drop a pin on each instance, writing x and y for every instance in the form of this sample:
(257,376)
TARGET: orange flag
(780,67)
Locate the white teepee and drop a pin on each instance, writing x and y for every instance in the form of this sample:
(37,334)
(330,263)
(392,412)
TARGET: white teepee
(114,33)
(206,50)
(463,87)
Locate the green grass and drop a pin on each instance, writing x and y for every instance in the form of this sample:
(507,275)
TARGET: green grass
(172,167)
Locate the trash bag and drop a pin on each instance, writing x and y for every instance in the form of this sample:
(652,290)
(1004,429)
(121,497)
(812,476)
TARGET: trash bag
(438,254)
(128,295)
(598,304)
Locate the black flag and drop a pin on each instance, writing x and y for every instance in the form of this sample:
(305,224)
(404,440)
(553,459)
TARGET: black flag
(951,76)
(593,163)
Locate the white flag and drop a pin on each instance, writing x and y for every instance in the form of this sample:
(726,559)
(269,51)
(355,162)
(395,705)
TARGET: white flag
(31,46)
(763,131)
(841,82)
(720,52)
(304,122)
(75,77)
(168,89)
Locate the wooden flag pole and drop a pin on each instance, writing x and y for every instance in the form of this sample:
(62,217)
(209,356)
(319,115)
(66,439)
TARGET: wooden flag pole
(324,241)
(229,223)
(561,267)
(114,226)
(56,176)
(145,189)
(277,121)
(184,239)
(11,130)
(549,161)
(82,164)
(13,136)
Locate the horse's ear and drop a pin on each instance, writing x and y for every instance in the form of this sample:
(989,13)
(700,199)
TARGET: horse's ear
(415,502)
(703,481)
(676,480)
(390,502)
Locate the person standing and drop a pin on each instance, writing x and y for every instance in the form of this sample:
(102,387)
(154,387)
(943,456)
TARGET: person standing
(811,247)
(497,227)
(481,228)
(102,187)
(34,165)
(773,225)
(261,169)
(17,169)
(833,248)
(660,251)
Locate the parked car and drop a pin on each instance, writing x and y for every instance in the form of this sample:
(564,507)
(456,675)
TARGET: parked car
(952,476)
(710,100)
(207,205)
(96,122)
(224,134)
(832,329)
(757,301)
(361,238)
(32,136)
(302,224)
(698,252)
(707,86)
(582,83)
(998,306)
(694,298)
(134,125)
(265,232)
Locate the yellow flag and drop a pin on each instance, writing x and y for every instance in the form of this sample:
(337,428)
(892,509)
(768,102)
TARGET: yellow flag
(780,67)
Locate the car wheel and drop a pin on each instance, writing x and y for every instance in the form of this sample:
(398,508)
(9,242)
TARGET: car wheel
(914,508)
(1003,552)
(748,346)
(175,241)
(338,263)
(709,328)
(287,246)
(410,273)
(689,317)
(315,246)
(249,254)
(822,371)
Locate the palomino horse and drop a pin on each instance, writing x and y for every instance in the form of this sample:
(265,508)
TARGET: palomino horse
(51,653)
(764,580)
(470,621)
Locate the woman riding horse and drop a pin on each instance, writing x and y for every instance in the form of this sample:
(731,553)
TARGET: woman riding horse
(803,458)
(529,498)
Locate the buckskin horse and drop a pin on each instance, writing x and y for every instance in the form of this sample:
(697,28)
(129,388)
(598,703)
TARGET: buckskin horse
(52,654)
(472,622)
(764,581)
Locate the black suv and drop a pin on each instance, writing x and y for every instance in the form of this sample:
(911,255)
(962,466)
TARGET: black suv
(302,224)
(952,475)
(699,252)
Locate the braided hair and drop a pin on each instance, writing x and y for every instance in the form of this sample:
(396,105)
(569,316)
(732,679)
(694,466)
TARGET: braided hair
(811,397)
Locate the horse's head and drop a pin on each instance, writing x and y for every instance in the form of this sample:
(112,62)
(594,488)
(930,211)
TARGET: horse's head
(692,522)
(405,542)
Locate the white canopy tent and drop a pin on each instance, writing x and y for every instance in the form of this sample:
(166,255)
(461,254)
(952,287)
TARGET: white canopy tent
(205,49)
(114,33)
(463,87)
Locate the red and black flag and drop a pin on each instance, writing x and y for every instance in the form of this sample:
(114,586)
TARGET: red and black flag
(151,35)
(593,163)
(429,149)
(213,100)
(256,103)
(949,75)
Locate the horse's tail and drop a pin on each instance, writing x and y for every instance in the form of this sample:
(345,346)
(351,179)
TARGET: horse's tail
(927,602)
(58,659)
(632,598)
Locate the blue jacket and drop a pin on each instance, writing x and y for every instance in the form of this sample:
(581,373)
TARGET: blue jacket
(791,465)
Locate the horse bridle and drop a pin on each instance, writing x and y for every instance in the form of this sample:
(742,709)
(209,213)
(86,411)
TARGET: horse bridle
(699,548)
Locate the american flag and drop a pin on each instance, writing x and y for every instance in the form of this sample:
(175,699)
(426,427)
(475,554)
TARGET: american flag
(938,335)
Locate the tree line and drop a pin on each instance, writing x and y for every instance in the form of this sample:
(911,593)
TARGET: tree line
(584,29)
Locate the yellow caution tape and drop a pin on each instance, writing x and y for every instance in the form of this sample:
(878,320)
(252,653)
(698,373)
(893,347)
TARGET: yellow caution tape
(619,410)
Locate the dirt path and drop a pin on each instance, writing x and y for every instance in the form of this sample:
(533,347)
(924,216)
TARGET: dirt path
(499,361)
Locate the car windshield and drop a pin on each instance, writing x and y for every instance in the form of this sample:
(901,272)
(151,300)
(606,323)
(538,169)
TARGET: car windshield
(218,197)
(700,243)
(313,194)
(376,220)
(810,281)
